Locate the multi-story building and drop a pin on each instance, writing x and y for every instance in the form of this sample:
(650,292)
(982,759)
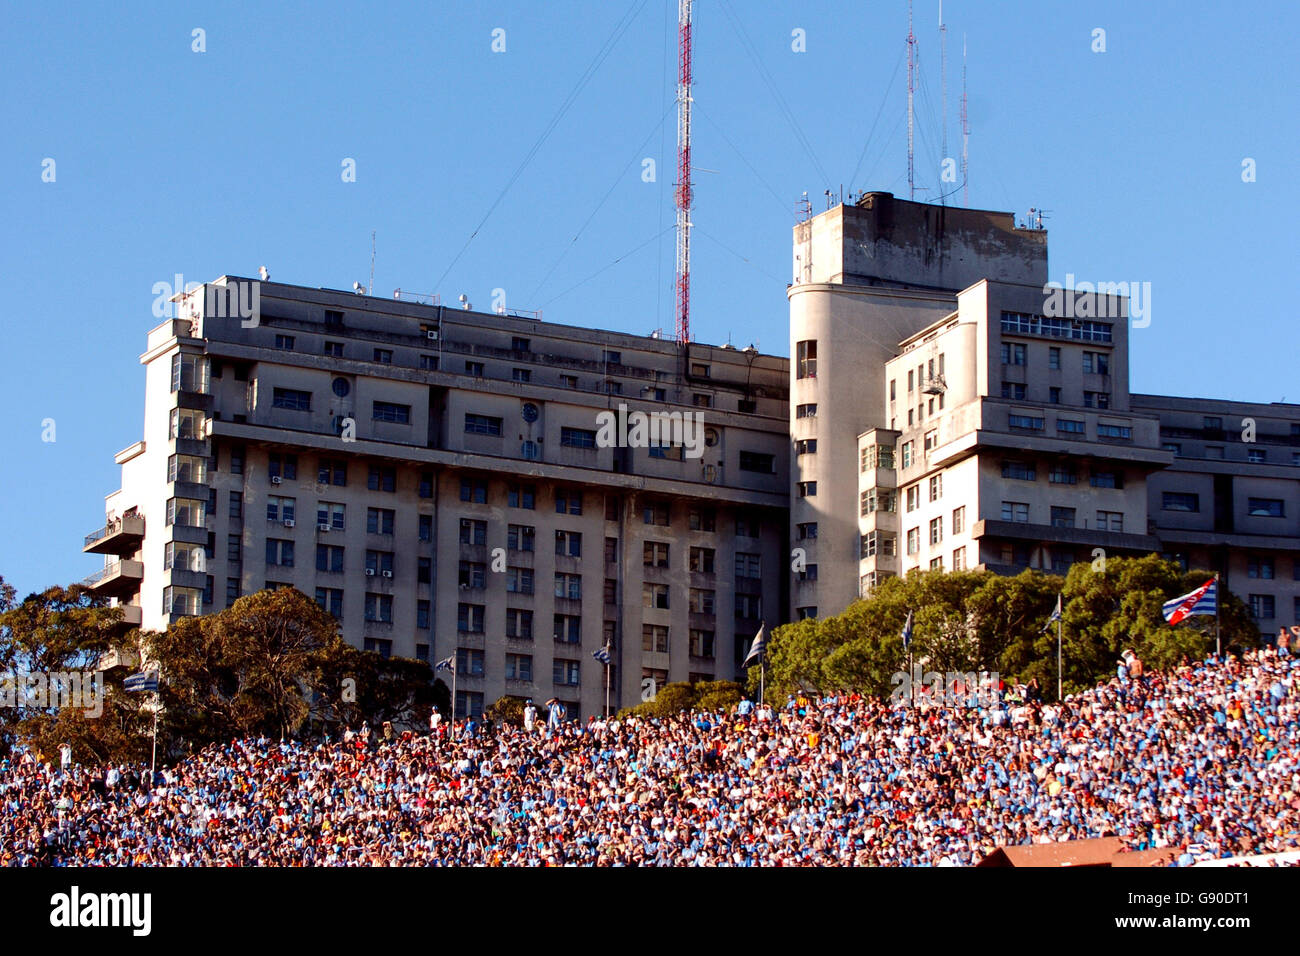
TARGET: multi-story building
(949,410)
(448,482)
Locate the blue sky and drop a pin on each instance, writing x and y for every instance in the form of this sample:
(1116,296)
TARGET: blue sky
(172,161)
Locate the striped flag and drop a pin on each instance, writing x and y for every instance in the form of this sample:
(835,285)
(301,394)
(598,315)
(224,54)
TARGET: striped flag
(757,650)
(602,655)
(1204,600)
(144,681)
(1056,614)
(907,632)
(446,664)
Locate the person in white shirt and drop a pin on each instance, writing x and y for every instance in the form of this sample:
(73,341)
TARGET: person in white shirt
(435,720)
(65,756)
(530,716)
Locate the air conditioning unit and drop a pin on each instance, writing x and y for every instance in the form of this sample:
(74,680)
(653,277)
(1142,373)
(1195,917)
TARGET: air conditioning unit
(288,522)
(323,527)
(275,479)
(388,574)
(433,335)
(370,572)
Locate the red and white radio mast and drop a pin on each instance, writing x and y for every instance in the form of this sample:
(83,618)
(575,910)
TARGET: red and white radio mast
(684,171)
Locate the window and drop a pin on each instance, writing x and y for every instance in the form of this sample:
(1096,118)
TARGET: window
(1259,568)
(755,461)
(1114,432)
(1265,507)
(703,601)
(330,601)
(1054,395)
(1180,501)
(1256,455)
(284,341)
(931,439)
(610,591)
(1096,399)
(519,624)
(805,446)
(520,375)
(1063,474)
(1013,353)
(472,531)
(1098,362)
(1019,470)
(292,399)
(470,704)
(654,638)
(568,543)
(959,559)
(1053,357)
(329,558)
(807,530)
(186,512)
(233,545)
(907,454)
(232,591)
(471,574)
(519,537)
(482,425)
(749,607)
(913,495)
(279,552)
(382,478)
(329,516)
(1173,446)
(700,370)
(1106,479)
(1017,511)
(379,562)
(1014,390)
(519,580)
(702,560)
(913,540)
(936,487)
(426,527)
(332,472)
(1025,421)
(469,662)
(469,618)
(474,368)
(809,573)
(654,554)
(748,525)
(701,400)
(936,530)
(1068,426)
(807,489)
(422,621)
(959,520)
(428,363)
(237,460)
(379,608)
(1262,606)
(280,509)
(1212,423)
(654,596)
(1062,517)
(748,565)
(702,519)
(876,499)
(568,586)
(936,564)
(473,490)
(519,667)
(390,412)
(612,358)
(655,513)
(568,501)
(702,644)
(1110,521)
(521,496)
(805,411)
(806,359)
(569,381)
(236,504)
(384,356)
(568,629)
(334,349)
(1214,451)
(875,543)
(280,466)
(577,438)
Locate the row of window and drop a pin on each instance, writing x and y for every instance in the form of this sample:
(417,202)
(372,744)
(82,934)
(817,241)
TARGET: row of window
(1062,473)
(1018,392)
(1016,353)
(1255,507)
(1063,517)
(1256,456)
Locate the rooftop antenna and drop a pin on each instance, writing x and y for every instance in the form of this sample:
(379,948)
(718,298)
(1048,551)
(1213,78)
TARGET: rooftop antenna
(943,73)
(911,89)
(684,172)
(371,287)
(965,132)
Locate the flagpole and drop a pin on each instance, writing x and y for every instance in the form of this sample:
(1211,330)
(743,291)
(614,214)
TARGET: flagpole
(1218,644)
(1059,695)
(607,687)
(153,761)
(453,696)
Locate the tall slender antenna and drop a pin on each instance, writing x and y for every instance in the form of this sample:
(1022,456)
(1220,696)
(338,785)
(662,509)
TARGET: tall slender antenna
(965,131)
(911,88)
(684,172)
(371,288)
(943,73)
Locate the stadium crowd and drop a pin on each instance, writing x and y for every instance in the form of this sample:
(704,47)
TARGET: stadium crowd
(1204,760)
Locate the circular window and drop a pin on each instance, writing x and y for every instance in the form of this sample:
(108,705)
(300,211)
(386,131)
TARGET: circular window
(710,437)
(341,387)
(530,412)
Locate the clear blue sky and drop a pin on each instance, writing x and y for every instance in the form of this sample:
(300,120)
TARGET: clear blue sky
(171,161)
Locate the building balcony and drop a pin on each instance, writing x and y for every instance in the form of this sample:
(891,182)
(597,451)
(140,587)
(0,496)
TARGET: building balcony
(1053,534)
(119,657)
(119,579)
(120,536)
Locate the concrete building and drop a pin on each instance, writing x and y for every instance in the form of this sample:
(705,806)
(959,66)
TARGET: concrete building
(949,411)
(438,480)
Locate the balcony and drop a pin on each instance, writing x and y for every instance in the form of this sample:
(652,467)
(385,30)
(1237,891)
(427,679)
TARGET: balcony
(119,579)
(120,536)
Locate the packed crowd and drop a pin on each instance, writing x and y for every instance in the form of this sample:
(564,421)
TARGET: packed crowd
(1203,760)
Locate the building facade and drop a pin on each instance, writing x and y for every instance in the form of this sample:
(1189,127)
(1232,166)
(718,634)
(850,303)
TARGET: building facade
(454,483)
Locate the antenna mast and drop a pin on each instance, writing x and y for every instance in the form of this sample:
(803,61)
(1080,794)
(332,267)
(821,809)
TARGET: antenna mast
(911,88)
(684,172)
(371,289)
(965,131)
(943,59)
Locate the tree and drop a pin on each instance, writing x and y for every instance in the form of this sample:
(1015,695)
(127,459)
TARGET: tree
(507,710)
(676,698)
(352,686)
